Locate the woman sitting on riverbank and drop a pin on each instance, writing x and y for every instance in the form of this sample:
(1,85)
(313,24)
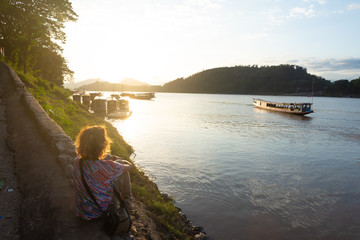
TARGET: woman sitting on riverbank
(102,172)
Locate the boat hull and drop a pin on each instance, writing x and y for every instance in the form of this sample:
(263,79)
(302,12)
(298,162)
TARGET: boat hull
(290,108)
(119,114)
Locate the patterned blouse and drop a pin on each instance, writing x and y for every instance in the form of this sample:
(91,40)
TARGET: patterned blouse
(99,175)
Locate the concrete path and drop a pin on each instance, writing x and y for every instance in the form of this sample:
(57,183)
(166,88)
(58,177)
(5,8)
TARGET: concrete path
(36,200)
(10,197)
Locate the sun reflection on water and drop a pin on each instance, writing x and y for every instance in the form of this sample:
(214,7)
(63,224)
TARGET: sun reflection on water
(222,158)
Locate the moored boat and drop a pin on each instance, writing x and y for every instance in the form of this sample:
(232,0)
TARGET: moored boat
(292,108)
(144,96)
(141,96)
(121,109)
(119,114)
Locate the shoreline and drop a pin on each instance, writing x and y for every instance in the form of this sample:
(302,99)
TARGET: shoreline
(146,221)
(303,94)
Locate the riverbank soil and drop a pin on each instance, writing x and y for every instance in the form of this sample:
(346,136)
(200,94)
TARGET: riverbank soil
(36,199)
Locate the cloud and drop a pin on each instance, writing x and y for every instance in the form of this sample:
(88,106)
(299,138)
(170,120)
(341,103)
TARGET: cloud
(329,68)
(276,18)
(322,2)
(333,69)
(353,6)
(205,3)
(335,64)
(306,9)
(299,12)
(253,36)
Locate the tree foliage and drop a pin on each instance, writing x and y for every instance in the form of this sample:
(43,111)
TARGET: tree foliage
(280,79)
(344,87)
(30,34)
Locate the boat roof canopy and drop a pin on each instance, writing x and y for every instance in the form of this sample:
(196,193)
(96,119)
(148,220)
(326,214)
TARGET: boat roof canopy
(308,103)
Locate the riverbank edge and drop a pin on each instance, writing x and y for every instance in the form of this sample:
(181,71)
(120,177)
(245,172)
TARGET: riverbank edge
(63,145)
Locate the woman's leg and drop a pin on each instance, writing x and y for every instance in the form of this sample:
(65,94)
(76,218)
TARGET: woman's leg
(123,186)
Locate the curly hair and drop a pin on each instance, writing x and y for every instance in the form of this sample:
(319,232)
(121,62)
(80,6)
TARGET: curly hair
(92,143)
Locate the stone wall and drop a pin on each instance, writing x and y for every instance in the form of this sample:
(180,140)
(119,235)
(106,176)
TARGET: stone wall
(52,133)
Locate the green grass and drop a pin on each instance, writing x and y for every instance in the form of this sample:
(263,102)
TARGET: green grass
(72,116)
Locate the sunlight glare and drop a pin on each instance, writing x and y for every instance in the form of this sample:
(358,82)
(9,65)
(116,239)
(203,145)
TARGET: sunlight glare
(133,127)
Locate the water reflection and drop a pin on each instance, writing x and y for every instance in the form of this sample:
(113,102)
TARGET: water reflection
(241,171)
(286,115)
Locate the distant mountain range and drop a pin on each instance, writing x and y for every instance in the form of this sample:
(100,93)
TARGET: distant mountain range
(133,82)
(273,80)
(75,85)
(95,82)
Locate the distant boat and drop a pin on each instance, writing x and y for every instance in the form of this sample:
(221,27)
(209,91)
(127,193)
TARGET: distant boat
(141,96)
(119,114)
(144,96)
(93,95)
(116,96)
(121,109)
(292,108)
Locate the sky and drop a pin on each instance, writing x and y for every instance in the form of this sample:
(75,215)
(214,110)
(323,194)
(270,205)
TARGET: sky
(157,41)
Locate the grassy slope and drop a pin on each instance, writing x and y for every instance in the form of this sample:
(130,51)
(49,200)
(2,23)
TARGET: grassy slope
(72,116)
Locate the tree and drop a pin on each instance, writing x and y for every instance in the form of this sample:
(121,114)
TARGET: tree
(249,79)
(355,86)
(30,34)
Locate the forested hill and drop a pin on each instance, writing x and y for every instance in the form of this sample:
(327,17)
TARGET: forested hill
(282,79)
(271,80)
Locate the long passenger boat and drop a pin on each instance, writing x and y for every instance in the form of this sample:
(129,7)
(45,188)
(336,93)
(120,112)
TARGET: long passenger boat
(293,108)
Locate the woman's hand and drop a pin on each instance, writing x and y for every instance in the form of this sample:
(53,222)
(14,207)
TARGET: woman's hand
(114,158)
(123,162)
(127,167)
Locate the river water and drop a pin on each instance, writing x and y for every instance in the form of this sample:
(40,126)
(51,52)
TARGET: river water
(246,173)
